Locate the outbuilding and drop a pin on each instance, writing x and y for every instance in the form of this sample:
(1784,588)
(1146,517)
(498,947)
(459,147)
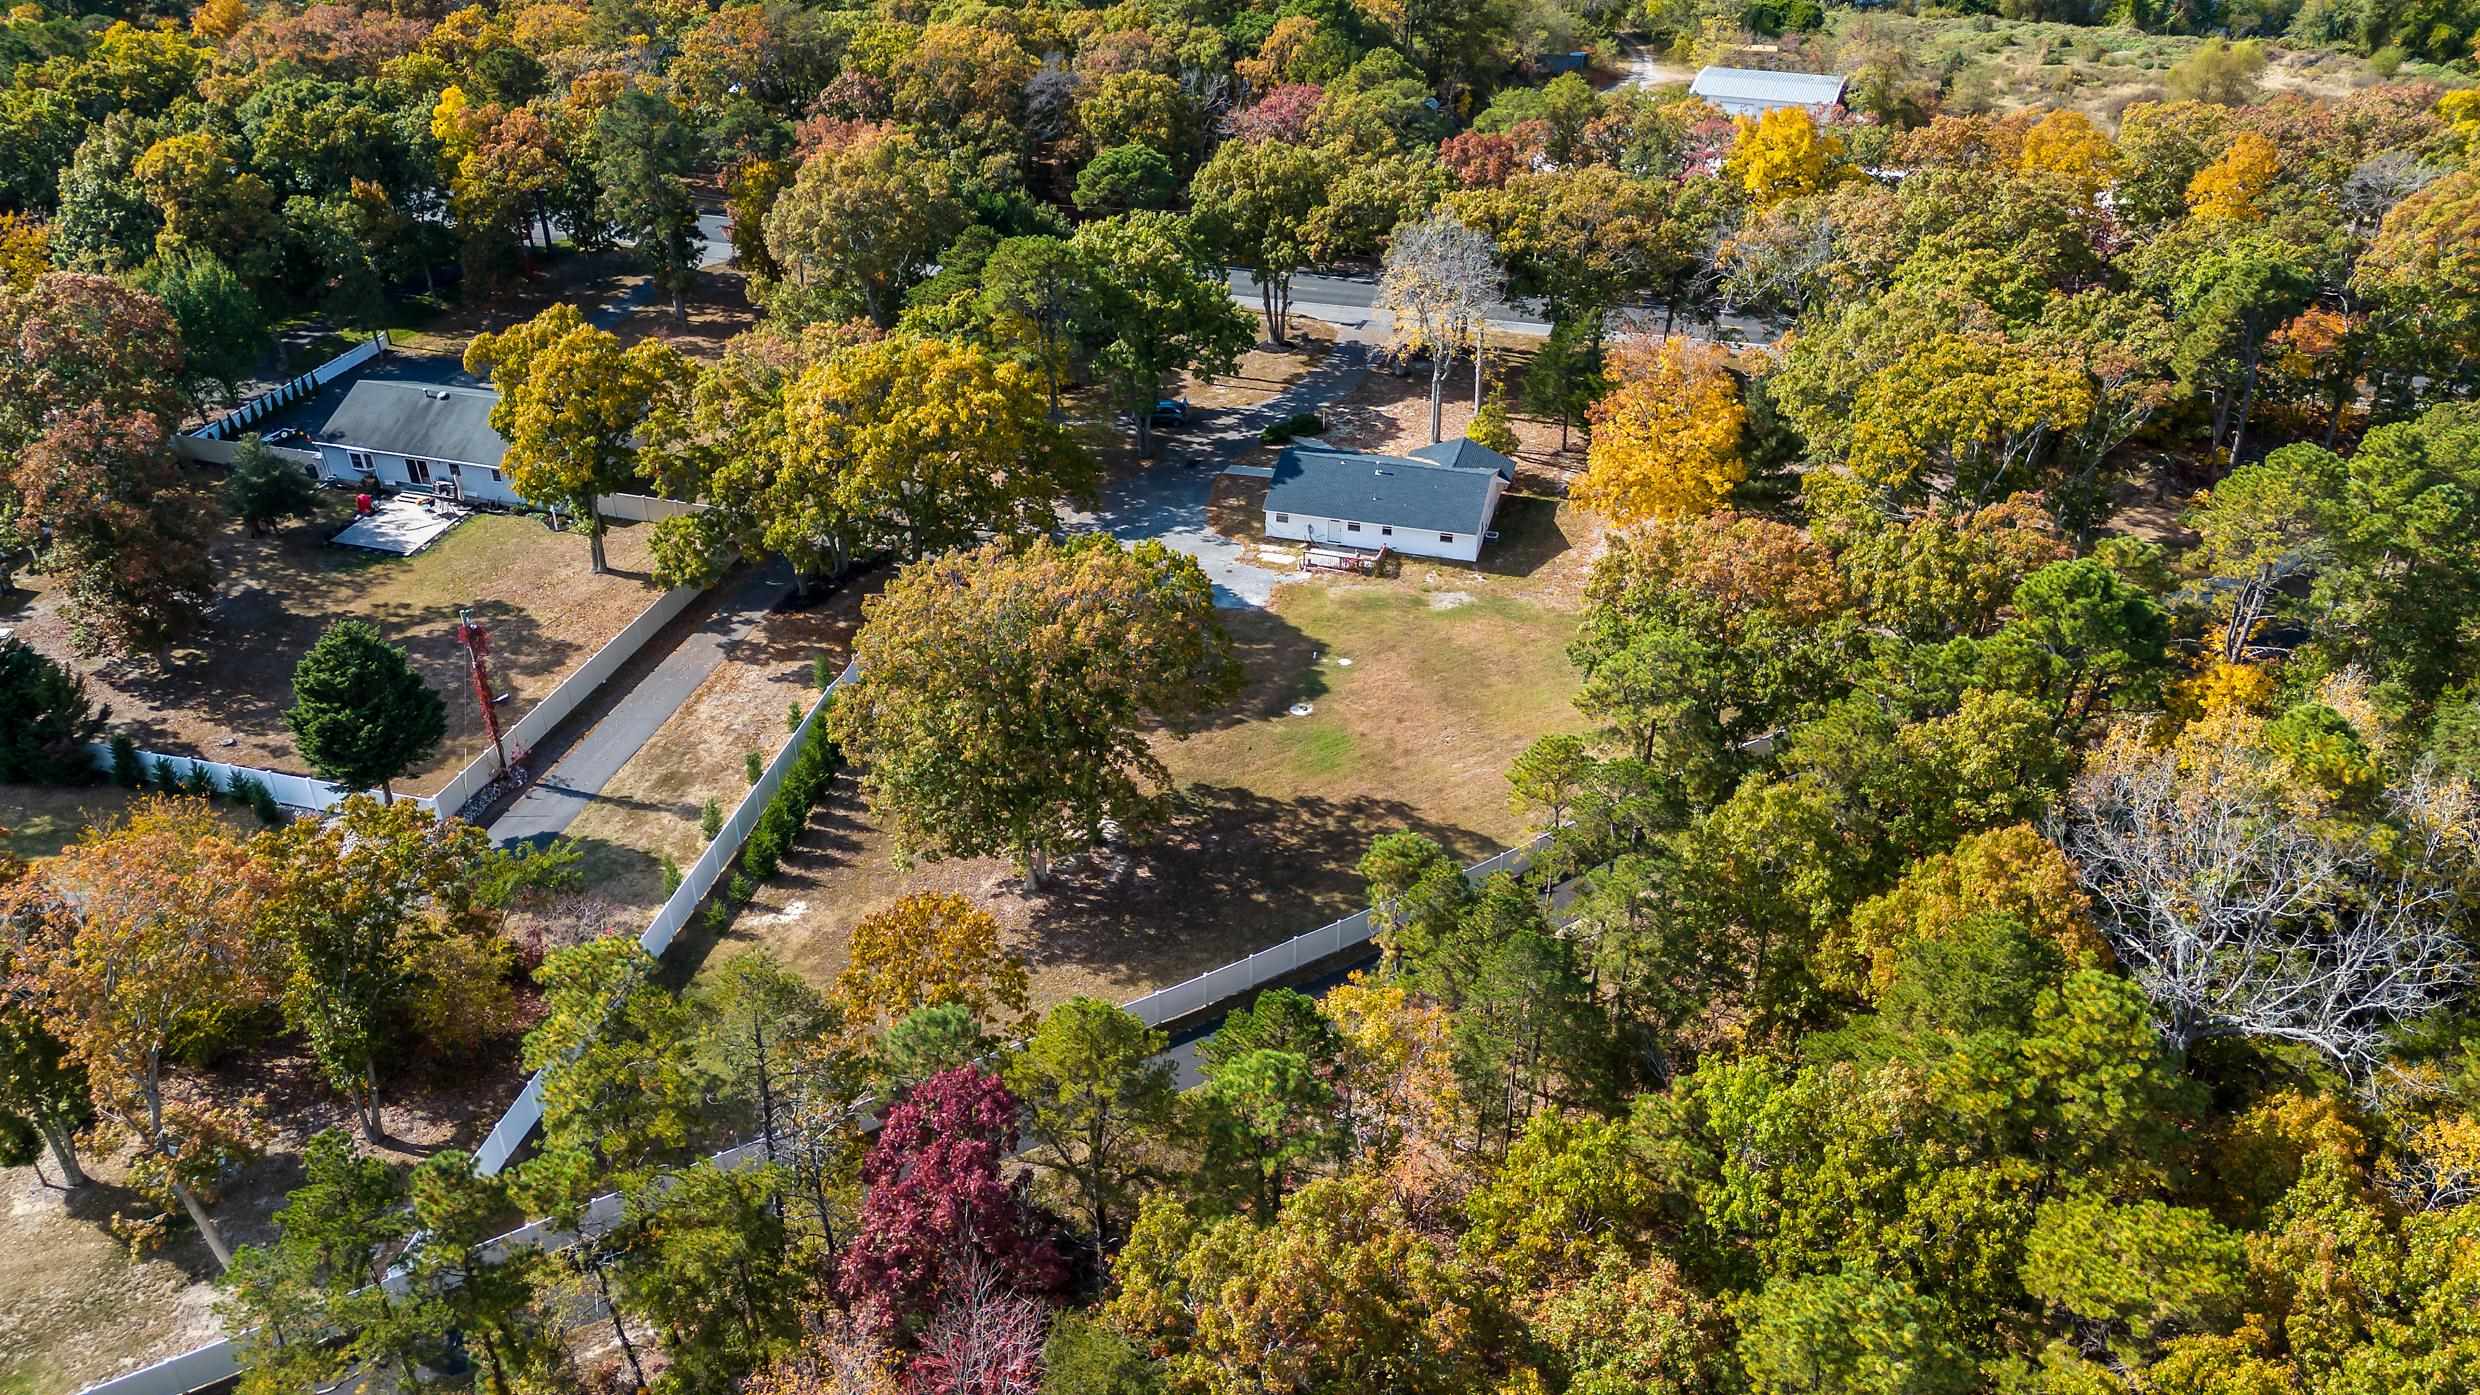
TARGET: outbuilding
(1438,501)
(1755,91)
(417,437)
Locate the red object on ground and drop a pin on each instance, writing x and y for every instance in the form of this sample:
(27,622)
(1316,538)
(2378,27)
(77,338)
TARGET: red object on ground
(362,504)
(477,642)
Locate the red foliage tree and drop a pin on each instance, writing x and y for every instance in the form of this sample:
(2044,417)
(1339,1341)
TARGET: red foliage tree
(1282,114)
(936,1212)
(1478,159)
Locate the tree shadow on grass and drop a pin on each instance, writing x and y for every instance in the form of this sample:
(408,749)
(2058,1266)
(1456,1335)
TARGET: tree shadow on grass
(1280,666)
(1233,872)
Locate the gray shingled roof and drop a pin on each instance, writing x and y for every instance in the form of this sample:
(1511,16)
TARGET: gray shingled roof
(1465,453)
(1758,85)
(427,423)
(1324,482)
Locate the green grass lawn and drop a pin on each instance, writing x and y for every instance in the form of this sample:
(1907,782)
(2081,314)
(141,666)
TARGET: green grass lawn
(1418,695)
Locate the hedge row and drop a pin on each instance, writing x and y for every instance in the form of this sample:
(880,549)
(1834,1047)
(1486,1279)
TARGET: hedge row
(785,815)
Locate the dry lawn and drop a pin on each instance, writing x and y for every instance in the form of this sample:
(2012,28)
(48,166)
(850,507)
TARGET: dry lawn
(76,1307)
(649,811)
(39,820)
(1263,371)
(1387,413)
(223,695)
(1442,687)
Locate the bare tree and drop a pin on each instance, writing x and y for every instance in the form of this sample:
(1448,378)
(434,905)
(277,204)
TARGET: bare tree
(1441,279)
(2241,917)
(986,1339)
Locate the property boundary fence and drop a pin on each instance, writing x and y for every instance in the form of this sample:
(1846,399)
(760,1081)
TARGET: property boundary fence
(318,796)
(1277,961)
(291,791)
(525,1115)
(292,390)
(642,508)
(219,1360)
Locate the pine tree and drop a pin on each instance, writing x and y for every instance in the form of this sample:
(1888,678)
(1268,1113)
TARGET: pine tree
(361,715)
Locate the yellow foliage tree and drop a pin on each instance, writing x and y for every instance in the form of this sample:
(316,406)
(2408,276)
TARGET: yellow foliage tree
(926,949)
(218,20)
(2227,189)
(25,251)
(2067,146)
(1783,155)
(2011,871)
(1666,440)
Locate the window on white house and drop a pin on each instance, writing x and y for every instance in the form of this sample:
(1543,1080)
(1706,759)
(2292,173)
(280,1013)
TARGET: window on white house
(360,460)
(1446,537)
(1386,532)
(1351,527)
(455,471)
(1283,518)
(418,471)
(494,474)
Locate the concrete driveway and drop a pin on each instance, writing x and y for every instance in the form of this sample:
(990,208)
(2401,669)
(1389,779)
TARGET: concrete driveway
(1166,501)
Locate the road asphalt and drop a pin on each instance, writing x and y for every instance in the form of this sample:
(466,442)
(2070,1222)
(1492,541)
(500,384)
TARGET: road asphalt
(577,778)
(1351,303)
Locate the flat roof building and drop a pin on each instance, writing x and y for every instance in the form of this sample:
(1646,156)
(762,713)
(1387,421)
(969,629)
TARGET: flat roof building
(1755,91)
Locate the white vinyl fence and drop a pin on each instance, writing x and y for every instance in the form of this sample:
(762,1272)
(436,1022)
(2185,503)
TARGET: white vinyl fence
(220,1360)
(525,1115)
(291,791)
(1279,961)
(562,700)
(236,423)
(642,508)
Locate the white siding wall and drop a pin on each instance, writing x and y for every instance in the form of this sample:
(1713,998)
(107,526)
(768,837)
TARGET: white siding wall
(473,481)
(1300,527)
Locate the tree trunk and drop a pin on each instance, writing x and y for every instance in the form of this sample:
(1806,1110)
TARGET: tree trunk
(619,1327)
(206,1226)
(368,1105)
(1481,339)
(387,791)
(2247,403)
(64,1152)
(1274,315)
(680,308)
(1437,395)
(594,534)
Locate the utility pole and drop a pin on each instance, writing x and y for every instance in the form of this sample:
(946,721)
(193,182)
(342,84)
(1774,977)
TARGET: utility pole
(477,642)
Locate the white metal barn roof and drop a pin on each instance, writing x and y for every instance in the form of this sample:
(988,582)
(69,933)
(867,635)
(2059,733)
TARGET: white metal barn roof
(1747,91)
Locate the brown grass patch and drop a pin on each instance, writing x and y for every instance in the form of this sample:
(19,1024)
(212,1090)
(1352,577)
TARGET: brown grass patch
(1273,813)
(223,694)
(650,810)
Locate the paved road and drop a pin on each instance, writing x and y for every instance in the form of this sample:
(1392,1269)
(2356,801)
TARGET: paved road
(573,782)
(1350,303)
(1166,501)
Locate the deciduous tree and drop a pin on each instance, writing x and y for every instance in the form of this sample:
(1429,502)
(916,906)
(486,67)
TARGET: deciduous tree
(861,222)
(928,949)
(576,408)
(1162,307)
(146,948)
(1440,282)
(382,937)
(1253,202)
(1666,441)
(1011,694)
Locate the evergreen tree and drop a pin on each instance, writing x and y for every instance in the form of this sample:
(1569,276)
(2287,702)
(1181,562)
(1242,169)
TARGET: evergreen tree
(361,715)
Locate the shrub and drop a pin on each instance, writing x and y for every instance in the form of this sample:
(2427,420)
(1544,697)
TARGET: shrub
(128,771)
(252,792)
(710,819)
(741,890)
(792,716)
(167,775)
(202,781)
(718,918)
(1490,428)
(671,875)
(46,719)
(822,671)
(1299,424)
(755,766)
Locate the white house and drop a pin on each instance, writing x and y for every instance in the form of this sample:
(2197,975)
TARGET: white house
(1436,502)
(415,436)
(1754,91)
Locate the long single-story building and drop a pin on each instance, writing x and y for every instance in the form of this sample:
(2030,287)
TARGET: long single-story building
(1755,91)
(1437,502)
(414,436)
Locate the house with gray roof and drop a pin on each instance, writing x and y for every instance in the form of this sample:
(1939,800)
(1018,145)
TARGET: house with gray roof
(419,437)
(1436,502)
(1754,91)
